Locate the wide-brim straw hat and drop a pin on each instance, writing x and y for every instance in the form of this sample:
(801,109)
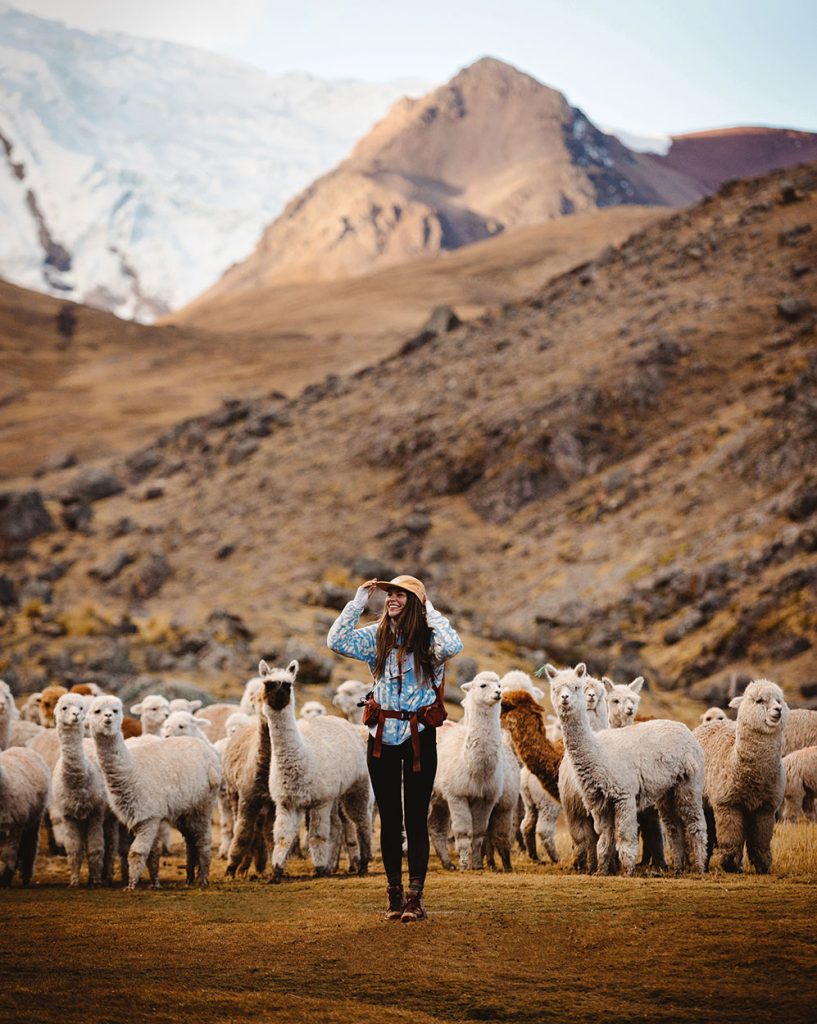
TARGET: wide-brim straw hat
(408,583)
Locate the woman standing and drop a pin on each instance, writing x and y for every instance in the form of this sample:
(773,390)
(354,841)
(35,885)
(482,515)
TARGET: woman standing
(405,651)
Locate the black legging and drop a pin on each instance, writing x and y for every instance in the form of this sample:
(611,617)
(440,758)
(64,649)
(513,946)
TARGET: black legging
(387,772)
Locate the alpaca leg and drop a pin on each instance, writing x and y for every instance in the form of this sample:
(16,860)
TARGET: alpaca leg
(96,849)
(55,845)
(480,816)
(463,829)
(202,832)
(287,820)
(759,829)
(241,846)
(518,815)
(675,832)
(711,833)
(690,811)
(144,836)
(72,836)
(357,808)
(626,835)
(652,840)
(604,826)
(349,834)
(153,863)
(500,834)
(320,826)
(731,831)
(225,812)
(529,830)
(110,830)
(546,829)
(190,851)
(27,853)
(165,838)
(439,822)
(338,823)
(125,838)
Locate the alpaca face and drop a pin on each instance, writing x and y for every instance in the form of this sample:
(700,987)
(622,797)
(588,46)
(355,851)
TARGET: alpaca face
(762,707)
(182,723)
(593,691)
(236,721)
(713,715)
(153,711)
(70,711)
(313,709)
(484,689)
(623,701)
(567,690)
(349,694)
(278,683)
(106,715)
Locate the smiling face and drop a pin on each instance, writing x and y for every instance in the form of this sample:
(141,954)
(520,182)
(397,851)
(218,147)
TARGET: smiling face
(395,602)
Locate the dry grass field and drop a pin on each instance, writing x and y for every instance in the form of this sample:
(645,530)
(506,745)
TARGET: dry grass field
(541,944)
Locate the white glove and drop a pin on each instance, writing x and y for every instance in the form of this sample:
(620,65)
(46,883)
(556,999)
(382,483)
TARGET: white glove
(361,598)
(430,609)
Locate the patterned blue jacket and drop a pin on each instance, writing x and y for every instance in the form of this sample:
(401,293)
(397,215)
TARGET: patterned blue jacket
(345,638)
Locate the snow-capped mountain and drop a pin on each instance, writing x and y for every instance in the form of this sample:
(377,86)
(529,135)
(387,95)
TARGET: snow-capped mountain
(133,172)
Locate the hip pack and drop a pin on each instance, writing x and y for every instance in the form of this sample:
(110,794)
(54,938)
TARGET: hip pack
(429,716)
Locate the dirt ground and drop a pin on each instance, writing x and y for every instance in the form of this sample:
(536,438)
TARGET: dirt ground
(540,944)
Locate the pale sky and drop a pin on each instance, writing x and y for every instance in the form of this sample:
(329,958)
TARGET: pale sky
(647,66)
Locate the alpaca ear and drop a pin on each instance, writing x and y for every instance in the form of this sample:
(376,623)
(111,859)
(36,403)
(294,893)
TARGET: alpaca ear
(636,684)
(538,694)
(608,683)
(735,701)
(292,668)
(263,669)
(547,670)
(136,709)
(194,705)
(204,723)
(335,700)
(465,687)
(581,669)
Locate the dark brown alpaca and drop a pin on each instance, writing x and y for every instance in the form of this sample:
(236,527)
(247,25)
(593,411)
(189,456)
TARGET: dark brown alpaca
(246,763)
(525,721)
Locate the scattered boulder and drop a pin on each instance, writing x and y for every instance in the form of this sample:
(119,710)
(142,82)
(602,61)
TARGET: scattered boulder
(92,484)
(333,596)
(23,516)
(143,462)
(442,320)
(77,516)
(142,685)
(688,622)
(112,566)
(56,462)
(151,576)
(315,666)
(225,551)
(804,503)
(793,308)
(243,450)
(8,592)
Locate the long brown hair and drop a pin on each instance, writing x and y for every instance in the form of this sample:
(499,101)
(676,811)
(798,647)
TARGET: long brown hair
(408,632)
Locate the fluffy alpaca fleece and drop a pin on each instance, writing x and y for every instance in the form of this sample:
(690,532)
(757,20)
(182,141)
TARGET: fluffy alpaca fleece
(470,780)
(621,771)
(24,787)
(541,813)
(347,697)
(251,698)
(175,780)
(745,780)
(217,715)
(713,715)
(517,680)
(800,730)
(152,711)
(30,708)
(78,799)
(14,731)
(312,709)
(524,719)
(319,765)
(182,723)
(246,763)
(48,704)
(47,745)
(182,704)
(801,784)
(502,825)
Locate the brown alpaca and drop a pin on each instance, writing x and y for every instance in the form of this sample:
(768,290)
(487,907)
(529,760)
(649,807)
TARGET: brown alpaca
(525,721)
(246,764)
(48,703)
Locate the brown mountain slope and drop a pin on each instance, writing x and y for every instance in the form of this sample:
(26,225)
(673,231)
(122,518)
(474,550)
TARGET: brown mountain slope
(620,469)
(713,157)
(491,150)
(112,385)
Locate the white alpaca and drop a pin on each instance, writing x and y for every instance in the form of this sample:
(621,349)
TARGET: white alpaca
(347,697)
(553,730)
(30,709)
(250,699)
(236,721)
(175,780)
(800,731)
(745,780)
(595,697)
(470,777)
(312,709)
(183,723)
(78,799)
(518,680)
(24,785)
(623,700)
(713,715)
(152,711)
(217,715)
(14,731)
(622,771)
(182,704)
(319,765)
(801,784)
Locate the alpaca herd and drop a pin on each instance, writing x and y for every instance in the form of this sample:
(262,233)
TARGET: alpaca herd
(108,786)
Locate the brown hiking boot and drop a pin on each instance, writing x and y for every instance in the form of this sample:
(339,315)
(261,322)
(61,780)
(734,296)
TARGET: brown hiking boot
(397,903)
(414,910)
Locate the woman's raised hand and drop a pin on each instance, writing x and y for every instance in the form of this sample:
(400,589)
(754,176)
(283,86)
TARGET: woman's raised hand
(364,592)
